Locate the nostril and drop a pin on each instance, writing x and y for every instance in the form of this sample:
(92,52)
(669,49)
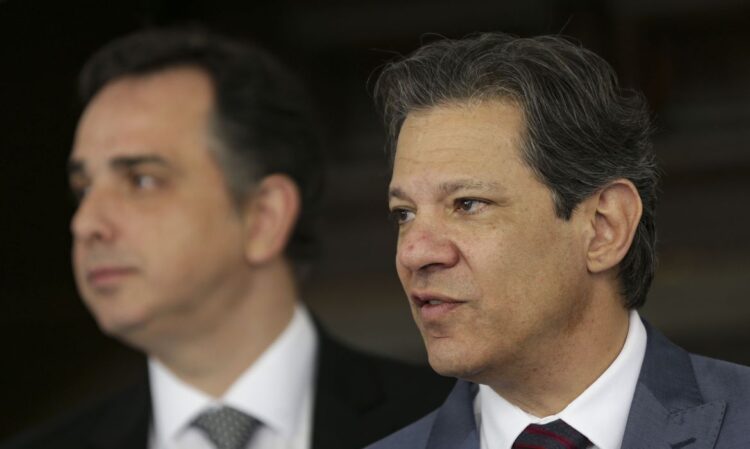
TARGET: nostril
(431,267)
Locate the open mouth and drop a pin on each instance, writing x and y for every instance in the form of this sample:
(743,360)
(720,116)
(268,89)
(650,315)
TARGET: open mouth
(432,306)
(421,300)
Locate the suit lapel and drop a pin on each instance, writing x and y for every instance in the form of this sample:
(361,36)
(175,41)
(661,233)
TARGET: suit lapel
(454,426)
(668,410)
(361,398)
(347,387)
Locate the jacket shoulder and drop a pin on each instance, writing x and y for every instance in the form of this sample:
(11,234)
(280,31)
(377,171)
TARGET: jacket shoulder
(361,397)
(413,436)
(722,381)
(412,390)
(76,428)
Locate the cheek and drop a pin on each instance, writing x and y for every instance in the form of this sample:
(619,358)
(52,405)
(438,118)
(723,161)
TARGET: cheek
(510,271)
(492,261)
(196,239)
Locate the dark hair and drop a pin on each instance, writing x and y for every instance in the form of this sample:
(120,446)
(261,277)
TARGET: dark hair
(262,116)
(582,130)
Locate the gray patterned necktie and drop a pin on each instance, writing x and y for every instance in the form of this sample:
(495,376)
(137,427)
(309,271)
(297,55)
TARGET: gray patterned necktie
(227,428)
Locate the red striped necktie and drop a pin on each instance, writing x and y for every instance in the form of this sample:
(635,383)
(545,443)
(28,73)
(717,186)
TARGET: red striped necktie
(554,435)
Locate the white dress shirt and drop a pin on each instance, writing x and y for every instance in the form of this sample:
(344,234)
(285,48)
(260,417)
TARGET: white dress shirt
(600,412)
(277,390)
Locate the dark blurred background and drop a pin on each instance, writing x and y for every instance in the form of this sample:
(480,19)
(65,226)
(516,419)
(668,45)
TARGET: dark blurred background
(690,57)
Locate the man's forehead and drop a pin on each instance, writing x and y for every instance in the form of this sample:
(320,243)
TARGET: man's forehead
(459,130)
(176,93)
(476,110)
(177,78)
(152,114)
(474,146)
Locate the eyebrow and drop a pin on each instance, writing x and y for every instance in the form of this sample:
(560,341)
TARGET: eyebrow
(120,163)
(395,192)
(467,184)
(450,187)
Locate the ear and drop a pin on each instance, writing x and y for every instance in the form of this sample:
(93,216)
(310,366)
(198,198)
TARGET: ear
(617,210)
(270,216)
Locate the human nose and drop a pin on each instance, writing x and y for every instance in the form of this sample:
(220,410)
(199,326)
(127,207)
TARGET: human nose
(93,220)
(426,247)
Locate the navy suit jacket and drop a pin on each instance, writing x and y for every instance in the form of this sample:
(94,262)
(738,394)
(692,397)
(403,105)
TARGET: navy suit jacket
(359,398)
(681,401)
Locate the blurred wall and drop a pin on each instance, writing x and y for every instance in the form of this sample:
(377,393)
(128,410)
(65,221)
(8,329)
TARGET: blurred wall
(691,58)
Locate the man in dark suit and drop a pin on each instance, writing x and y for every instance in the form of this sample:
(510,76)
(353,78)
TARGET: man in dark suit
(524,185)
(196,167)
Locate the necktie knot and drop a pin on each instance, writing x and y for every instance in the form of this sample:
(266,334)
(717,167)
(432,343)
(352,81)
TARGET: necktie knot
(226,428)
(553,435)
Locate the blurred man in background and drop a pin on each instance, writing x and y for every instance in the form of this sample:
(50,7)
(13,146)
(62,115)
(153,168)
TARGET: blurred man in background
(197,171)
(524,185)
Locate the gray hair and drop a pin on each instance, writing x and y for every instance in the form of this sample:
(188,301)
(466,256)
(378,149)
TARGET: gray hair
(582,129)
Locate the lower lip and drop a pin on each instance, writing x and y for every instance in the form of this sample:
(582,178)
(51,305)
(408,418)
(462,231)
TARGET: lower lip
(431,312)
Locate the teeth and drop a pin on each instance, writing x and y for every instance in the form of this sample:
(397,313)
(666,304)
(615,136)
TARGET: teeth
(434,302)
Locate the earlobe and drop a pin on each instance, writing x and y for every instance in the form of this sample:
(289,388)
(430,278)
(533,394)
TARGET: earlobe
(270,217)
(618,211)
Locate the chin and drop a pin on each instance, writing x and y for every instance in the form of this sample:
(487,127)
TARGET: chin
(116,328)
(459,369)
(454,361)
(120,324)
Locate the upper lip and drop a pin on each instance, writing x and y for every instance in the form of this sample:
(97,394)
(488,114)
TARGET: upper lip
(421,298)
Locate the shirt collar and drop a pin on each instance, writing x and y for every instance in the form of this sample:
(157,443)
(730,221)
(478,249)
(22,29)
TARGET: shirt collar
(271,389)
(600,412)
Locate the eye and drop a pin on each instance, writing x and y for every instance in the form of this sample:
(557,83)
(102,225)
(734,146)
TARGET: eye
(79,187)
(401,216)
(78,194)
(143,182)
(469,205)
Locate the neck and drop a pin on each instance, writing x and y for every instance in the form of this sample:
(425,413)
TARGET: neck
(213,356)
(561,371)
